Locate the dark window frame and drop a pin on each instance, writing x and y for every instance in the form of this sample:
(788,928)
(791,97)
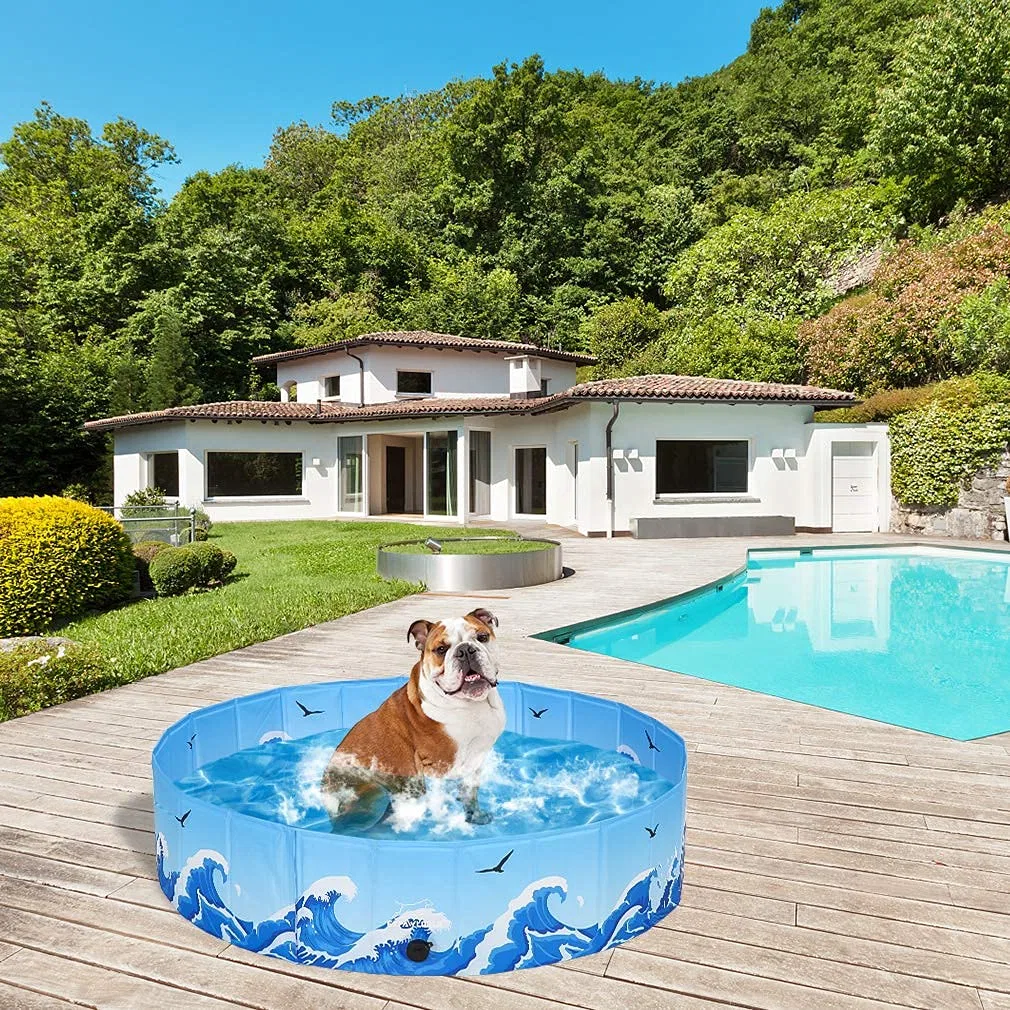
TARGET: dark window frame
(672,480)
(327,394)
(213,482)
(400,372)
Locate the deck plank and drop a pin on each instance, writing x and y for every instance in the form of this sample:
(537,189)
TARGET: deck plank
(833,862)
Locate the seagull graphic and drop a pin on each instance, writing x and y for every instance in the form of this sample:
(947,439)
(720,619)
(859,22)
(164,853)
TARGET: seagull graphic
(652,831)
(309,711)
(189,742)
(500,868)
(536,714)
(182,820)
(652,745)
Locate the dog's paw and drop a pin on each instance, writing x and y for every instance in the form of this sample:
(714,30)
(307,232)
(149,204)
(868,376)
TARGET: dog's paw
(479,816)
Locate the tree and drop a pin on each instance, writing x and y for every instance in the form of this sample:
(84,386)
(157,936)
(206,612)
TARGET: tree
(616,332)
(170,373)
(944,125)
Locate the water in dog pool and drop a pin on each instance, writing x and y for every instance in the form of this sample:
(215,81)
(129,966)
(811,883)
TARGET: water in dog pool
(528,785)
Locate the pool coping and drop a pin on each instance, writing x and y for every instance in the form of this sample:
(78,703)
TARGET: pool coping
(563,635)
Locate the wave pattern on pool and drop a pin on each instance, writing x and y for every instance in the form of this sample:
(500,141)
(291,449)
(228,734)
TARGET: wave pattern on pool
(914,636)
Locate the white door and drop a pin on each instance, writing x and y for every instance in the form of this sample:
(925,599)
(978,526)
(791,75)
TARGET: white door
(854,506)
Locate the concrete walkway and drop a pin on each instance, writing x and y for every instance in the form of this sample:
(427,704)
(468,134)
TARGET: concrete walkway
(833,862)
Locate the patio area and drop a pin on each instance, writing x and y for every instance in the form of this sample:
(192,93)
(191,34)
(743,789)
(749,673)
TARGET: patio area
(832,862)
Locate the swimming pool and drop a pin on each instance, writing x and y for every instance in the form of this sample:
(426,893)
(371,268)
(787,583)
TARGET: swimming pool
(529,891)
(914,636)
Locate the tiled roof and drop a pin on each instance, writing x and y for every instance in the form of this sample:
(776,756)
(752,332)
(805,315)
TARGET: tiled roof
(640,387)
(240,410)
(426,338)
(693,387)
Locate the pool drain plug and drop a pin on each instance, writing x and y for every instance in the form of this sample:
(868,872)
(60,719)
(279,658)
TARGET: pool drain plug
(418,950)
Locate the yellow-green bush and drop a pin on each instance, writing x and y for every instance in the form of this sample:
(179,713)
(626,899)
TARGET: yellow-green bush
(58,558)
(37,675)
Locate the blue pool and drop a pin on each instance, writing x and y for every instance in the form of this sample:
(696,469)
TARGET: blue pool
(586,850)
(917,637)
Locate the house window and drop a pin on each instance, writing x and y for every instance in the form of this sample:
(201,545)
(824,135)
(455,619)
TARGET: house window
(544,383)
(253,474)
(691,467)
(413,383)
(164,473)
(331,386)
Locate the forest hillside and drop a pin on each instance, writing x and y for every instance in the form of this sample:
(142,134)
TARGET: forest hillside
(825,208)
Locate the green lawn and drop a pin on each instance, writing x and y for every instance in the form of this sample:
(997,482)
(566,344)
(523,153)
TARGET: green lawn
(289,575)
(499,545)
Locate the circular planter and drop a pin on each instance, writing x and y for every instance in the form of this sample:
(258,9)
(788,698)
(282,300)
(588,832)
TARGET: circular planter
(417,907)
(467,572)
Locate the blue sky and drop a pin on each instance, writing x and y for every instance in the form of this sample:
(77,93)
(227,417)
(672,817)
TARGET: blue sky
(216,78)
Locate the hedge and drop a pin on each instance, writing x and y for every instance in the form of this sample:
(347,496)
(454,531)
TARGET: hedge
(58,558)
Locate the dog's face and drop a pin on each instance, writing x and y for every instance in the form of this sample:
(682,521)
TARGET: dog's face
(458,656)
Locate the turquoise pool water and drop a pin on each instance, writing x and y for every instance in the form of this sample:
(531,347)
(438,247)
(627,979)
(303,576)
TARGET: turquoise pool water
(528,784)
(916,637)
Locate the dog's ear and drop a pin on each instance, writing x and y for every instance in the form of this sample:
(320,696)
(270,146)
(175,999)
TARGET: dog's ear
(484,616)
(418,633)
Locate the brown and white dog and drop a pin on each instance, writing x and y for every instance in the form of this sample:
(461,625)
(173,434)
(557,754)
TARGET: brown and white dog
(442,722)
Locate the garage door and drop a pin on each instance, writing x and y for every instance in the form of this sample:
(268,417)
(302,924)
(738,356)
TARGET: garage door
(854,487)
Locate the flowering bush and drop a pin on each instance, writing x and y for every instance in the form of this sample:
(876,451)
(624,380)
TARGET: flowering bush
(37,674)
(928,314)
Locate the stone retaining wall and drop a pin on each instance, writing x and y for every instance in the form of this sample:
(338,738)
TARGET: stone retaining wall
(978,514)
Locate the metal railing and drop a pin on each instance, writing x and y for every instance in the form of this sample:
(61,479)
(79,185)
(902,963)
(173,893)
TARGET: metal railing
(172,524)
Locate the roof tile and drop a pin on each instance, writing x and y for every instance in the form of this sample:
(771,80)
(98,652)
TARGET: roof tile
(426,338)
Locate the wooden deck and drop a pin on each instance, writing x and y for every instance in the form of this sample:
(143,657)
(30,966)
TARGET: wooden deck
(833,862)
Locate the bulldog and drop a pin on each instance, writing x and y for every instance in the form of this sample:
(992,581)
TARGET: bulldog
(442,722)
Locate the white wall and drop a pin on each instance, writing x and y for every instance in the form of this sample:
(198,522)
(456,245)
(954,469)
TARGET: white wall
(454,373)
(818,490)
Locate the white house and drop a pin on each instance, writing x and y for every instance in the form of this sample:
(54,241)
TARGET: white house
(431,425)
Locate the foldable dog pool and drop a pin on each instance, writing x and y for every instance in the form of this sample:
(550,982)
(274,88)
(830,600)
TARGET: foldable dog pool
(477,904)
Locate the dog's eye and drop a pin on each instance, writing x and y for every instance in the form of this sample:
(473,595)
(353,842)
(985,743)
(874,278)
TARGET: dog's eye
(442,650)
(483,636)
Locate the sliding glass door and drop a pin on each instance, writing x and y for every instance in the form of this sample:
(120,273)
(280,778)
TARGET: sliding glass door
(480,473)
(440,460)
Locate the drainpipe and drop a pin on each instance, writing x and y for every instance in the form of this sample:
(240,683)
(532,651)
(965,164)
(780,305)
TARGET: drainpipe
(610,467)
(361,376)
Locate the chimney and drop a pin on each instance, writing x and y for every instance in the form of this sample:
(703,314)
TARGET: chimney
(524,377)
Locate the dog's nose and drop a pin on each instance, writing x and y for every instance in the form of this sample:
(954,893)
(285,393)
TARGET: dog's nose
(467,649)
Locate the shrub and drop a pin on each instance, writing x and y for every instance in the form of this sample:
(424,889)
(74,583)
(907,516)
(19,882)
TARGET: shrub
(36,675)
(203,522)
(211,561)
(175,570)
(58,558)
(145,552)
(228,563)
(77,492)
(141,504)
(879,407)
(199,534)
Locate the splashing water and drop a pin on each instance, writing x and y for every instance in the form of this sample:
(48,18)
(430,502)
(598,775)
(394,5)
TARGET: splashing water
(527,784)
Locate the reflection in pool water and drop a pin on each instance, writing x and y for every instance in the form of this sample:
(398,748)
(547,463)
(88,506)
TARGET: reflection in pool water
(528,784)
(917,637)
